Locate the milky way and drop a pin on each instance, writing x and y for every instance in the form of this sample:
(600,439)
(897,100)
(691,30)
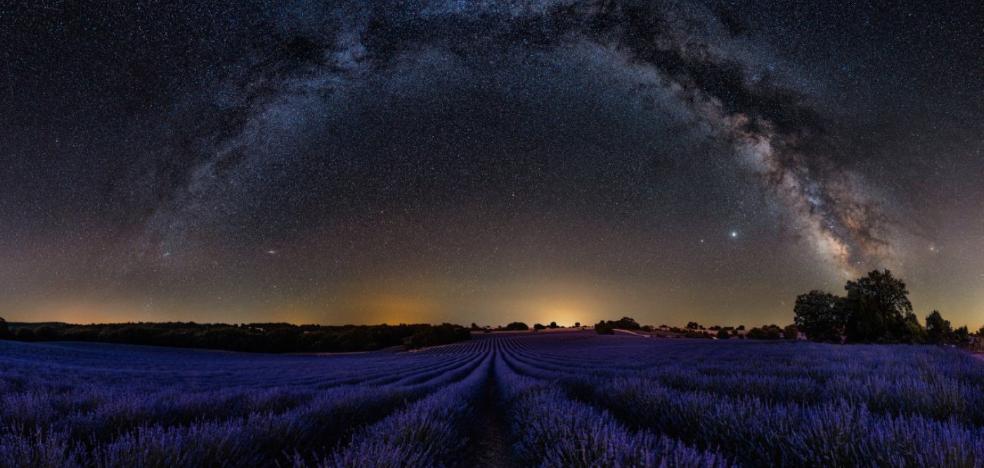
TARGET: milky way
(485,161)
(769,128)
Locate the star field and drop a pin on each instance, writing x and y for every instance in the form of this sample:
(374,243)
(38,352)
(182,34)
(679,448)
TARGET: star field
(486,161)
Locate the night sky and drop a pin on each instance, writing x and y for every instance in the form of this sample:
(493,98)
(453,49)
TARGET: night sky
(366,162)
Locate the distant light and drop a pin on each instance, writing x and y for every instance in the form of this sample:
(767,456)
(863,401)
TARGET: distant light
(272,252)
(734,234)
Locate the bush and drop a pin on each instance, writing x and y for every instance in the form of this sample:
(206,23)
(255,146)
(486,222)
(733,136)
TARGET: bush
(608,327)
(437,335)
(604,328)
(517,326)
(768,332)
(23,334)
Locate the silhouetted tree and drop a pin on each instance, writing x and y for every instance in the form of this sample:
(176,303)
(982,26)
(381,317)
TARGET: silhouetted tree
(692,325)
(626,323)
(517,326)
(768,332)
(878,306)
(915,332)
(723,334)
(791,332)
(961,336)
(876,310)
(938,330)
(474,327)
(436,335)
(577,324)
(552,325)
(820,316)
(4,330)
(538,326)
(604,328)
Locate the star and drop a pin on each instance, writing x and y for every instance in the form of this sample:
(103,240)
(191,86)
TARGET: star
(733,234)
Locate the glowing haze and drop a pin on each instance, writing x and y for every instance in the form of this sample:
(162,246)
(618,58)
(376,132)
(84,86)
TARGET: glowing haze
(485,162)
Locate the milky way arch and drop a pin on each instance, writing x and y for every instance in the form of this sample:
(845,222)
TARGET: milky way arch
(257,113)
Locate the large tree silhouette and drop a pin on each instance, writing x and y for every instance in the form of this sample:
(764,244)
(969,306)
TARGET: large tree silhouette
(821,315)
(880,310)
(875,310)
(938,329)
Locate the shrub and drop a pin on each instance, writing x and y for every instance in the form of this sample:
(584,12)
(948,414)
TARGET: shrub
(517,326)
(437,335)
(604,328)
(768,332)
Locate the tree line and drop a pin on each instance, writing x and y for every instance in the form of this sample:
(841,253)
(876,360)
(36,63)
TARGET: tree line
(876,309)
(252,337)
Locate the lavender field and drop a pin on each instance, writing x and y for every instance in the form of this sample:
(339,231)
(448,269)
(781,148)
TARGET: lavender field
(561,399)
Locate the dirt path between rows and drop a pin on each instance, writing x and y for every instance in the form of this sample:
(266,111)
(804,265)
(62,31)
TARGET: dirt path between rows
(490,440)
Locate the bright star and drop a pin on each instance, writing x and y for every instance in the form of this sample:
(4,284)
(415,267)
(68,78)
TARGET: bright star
(734,234)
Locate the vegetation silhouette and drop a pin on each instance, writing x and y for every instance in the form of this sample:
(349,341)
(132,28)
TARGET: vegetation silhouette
(876,309)
(516,326)
(607,327)
(252,337)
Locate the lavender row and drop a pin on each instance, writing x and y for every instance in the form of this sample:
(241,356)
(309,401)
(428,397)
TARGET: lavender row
(757,432)
(112,425)
(899,380)
(551,430)
(427,433)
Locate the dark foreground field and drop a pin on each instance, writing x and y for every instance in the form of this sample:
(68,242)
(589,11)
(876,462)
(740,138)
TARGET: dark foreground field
(567,399)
